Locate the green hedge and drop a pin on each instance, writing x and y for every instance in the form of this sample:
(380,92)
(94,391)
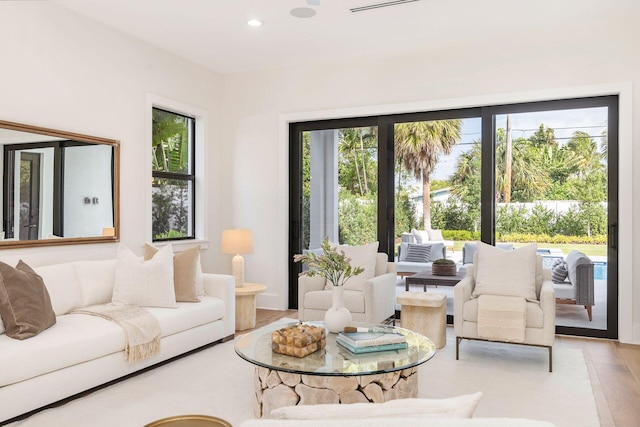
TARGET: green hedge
(557,239)
(460,235)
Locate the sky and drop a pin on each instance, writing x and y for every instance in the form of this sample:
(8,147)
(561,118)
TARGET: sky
(564,123)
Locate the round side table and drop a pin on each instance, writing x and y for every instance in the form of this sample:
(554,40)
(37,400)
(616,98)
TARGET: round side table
(190,421)
(246,305)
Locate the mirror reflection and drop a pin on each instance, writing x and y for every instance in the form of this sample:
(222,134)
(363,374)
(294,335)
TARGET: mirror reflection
(57,187)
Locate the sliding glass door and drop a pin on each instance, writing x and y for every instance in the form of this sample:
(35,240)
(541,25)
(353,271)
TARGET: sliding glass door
(555,184)
(543,172)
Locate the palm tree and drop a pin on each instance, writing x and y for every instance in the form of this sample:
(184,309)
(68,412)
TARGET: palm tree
(418,145)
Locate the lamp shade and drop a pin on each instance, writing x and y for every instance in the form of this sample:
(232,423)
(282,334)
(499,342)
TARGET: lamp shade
(237,241)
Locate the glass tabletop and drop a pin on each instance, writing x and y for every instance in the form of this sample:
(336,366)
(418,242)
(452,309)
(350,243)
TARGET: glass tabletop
(334,360)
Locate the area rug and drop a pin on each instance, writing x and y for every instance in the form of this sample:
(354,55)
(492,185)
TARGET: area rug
(514,380)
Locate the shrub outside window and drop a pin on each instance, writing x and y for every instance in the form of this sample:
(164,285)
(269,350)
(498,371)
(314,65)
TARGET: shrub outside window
(173,176)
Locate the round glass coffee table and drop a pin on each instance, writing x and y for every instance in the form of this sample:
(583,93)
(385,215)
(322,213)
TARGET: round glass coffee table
(333,374)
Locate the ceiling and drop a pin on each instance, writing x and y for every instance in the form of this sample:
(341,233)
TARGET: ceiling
(215,34)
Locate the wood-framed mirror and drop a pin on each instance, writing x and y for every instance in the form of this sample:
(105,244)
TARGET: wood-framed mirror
(58,187)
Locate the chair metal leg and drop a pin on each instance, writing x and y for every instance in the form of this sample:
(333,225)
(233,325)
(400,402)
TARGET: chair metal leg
(550,358)
(458,339)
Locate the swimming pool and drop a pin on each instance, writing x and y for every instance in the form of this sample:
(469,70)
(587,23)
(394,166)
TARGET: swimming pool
(600,270)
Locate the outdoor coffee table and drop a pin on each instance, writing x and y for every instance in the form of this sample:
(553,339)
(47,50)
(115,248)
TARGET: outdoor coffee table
(333,374)
(426,277)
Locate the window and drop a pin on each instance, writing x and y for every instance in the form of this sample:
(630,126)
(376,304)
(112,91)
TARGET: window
(173,172)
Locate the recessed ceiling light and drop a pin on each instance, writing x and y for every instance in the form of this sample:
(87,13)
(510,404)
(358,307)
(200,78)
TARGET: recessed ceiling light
(255,23)
(303,12)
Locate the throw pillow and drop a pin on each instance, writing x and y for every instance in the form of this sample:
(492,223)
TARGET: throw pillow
(421,236)
(185,271)
(362,256)
(25,306)
(435,235)
(144,283)
(559,271)
(506,273)
(454,407)
(96,279)
(418,253)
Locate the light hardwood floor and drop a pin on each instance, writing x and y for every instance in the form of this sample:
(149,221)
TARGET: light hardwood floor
(614,370)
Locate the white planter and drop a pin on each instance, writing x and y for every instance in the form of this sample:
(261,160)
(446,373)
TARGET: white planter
(337,317)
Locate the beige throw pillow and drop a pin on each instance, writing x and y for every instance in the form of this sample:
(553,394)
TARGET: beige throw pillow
(185,271)
(505,273)
(144,283)
(454,407)
(362,256)
(25,306)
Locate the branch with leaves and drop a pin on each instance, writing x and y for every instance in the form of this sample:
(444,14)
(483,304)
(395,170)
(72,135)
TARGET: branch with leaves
(333,266)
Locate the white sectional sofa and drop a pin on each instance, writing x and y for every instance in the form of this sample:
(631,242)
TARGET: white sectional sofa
(407,268)
(81,351)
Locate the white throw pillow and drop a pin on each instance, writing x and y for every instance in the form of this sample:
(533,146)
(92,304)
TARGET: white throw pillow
(361,256)
(506,273)
(435,235)
(422,236)
(62,285)
(144,283)
(454,407)
(96,279)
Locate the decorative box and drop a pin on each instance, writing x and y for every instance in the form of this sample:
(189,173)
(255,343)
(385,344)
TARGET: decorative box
(298,340)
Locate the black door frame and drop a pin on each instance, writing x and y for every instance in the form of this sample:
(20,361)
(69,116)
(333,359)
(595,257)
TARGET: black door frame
(386,165)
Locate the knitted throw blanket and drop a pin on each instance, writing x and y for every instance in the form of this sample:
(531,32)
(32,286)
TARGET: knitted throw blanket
(141,328)
(502,318)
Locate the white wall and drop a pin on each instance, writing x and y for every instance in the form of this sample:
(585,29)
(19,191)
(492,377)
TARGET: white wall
(62,71)
(87,174)
(575,60)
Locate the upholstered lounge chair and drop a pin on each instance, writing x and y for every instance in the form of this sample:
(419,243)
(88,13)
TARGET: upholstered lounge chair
(373,302)
(540,309)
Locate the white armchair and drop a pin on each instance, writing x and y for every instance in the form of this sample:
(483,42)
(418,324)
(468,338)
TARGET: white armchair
(374,303)
(540,314)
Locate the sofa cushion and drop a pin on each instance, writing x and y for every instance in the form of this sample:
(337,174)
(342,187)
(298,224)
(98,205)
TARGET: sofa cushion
(322,300)
(75,338)
(362,256)
(535,315)
(185,271)
(188,315)
(559,271)
(144,283)
(437,251)
(417,253)
(63,287)
(454,407)
(574,259)
(506,273)
(96,280)
(25,306)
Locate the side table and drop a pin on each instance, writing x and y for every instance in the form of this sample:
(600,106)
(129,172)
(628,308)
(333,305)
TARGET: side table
(425,313)
(246,305)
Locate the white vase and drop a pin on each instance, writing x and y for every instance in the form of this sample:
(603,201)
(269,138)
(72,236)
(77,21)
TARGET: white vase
(337,317)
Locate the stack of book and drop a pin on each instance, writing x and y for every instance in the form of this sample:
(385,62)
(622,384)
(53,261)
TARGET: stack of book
(367,342)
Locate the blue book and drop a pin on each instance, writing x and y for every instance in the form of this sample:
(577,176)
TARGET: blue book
(370,348)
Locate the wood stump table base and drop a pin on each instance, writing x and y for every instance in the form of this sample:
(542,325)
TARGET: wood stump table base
(275,389)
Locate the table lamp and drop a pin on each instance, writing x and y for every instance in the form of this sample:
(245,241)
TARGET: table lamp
(237,241)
